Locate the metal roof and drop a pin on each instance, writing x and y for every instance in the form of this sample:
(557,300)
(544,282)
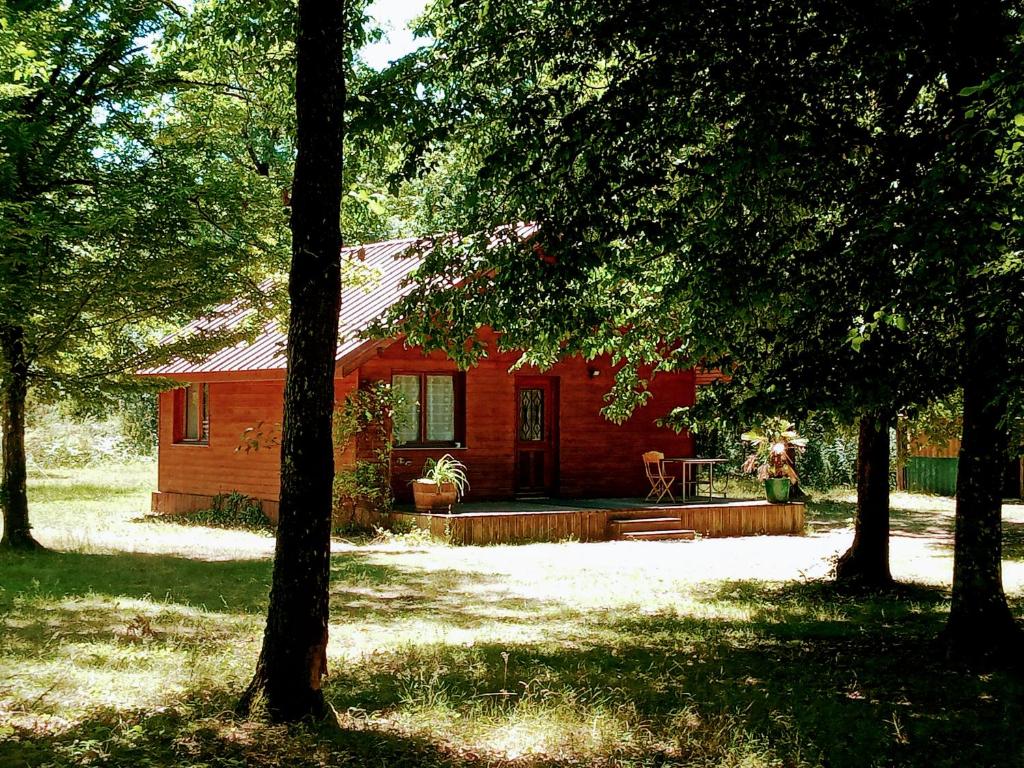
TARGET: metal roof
(387,264)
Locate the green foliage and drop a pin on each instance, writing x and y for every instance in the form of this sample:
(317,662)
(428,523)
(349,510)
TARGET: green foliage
(939,421)
(830,458)
(368,482)
(229,510)
(367,410)
(773,442)
(365,416)
(404,533)
(63,435)
(118,215)
(758,188)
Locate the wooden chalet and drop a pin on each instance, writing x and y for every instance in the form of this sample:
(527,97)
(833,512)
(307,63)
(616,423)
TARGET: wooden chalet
(521,434)
(529,432)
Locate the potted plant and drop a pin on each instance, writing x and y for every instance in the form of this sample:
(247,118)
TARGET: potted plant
(773,444)
(442,483)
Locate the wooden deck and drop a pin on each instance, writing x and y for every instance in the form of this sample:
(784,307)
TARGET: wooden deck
(590,519)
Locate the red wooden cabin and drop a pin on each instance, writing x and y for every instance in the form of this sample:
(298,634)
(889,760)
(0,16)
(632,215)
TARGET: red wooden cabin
(528,432)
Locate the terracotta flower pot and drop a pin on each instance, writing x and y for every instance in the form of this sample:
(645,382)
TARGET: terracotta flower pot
(428,496)
(776,490)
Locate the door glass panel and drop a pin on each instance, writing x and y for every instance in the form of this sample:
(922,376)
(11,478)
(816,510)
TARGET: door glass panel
(531,414)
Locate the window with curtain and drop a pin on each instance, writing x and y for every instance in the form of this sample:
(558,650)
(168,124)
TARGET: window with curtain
(432,409)
(191,414)
(407,418)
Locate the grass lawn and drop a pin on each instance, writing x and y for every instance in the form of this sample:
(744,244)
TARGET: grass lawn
(128,643)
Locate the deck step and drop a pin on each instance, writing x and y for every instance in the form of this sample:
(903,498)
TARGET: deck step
(677,534)
(622,525)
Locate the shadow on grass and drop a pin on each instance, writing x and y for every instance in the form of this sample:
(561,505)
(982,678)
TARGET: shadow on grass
(239,586)
(83,598)
(754,675)
(834,514)
(801,675)
(929,523)
(826,515)
(1013,540)
(205,736)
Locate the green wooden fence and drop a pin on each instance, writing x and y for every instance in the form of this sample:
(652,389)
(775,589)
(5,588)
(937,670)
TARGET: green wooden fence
(932,475)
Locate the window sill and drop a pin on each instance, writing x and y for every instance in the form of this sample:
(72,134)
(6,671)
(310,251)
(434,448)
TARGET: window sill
(192,443)
(399,448)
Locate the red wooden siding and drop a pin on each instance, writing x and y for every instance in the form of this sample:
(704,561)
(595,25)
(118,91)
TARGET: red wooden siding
(596,458)
(221,466)
(921,446)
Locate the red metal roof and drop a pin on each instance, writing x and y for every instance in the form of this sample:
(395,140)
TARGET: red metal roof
(387,264)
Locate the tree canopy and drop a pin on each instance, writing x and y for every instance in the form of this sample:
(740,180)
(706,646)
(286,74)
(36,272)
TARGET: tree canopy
(121,212)
(811,197)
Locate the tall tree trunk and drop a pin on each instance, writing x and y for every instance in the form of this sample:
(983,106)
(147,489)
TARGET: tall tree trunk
(866,562)
(980,622)
(294,656)
(13,493)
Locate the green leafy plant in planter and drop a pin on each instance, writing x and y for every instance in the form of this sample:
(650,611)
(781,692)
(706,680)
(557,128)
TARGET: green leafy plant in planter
(442,483)
(774,443)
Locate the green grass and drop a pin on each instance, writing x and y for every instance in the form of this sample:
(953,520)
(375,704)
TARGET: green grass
(128,643)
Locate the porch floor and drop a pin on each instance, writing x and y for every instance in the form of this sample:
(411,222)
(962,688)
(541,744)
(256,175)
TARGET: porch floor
(523,520)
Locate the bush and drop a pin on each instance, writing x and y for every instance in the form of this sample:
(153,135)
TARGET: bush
(229,510)
(60,435)
(829,460)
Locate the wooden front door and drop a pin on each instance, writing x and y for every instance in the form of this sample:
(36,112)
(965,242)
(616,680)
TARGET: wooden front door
(536,435)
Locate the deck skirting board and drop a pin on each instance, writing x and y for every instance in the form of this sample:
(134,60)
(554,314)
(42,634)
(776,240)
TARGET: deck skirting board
(711,521)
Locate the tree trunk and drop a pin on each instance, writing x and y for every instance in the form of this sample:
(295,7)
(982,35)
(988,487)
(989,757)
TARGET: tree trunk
(980,622)
(866,562)
(294,656)
(13,493)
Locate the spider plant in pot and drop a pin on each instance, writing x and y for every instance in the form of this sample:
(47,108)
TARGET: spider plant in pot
(442,483)
(774,443)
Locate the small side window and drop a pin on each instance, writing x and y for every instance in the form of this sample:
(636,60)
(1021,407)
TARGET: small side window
(191,414)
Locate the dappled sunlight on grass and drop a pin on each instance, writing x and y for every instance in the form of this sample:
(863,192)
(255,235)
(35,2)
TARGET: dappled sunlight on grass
(133,646)
(922,534)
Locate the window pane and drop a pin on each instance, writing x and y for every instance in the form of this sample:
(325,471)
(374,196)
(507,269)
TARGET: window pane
(440,408)
(205,434)
(407,417)
(191,413)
